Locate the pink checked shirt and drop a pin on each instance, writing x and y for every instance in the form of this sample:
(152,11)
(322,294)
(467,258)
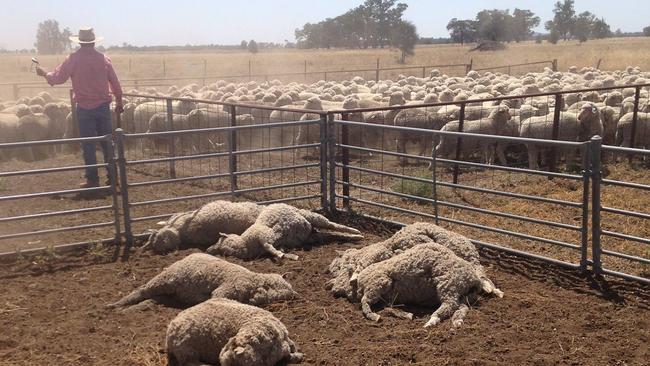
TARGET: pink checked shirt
(91,73)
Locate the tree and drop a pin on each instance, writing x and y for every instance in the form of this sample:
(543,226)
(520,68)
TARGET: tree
(462,31)
(563,19)
(494,25)
(582,26)
(404,37)
(51,40)
(252,46)
(523,22)
(553,37)
(600,29)
(383,15)
(243,45)
(646,31)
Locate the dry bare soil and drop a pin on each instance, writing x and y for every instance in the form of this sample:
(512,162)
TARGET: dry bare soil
(52,312)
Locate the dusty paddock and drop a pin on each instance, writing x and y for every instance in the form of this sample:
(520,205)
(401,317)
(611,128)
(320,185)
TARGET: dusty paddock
(55,315)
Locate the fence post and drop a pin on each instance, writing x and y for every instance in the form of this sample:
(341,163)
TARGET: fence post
(112,178)
(635,117)
(584,228)
(554,134)
(170,141)
(15,87)
(598,64)
(424,72)
(331,161)
(554,64)
(345,160)
(250,70)
(232,147)
(325,75)
(305,70)
(596,143)
(124,187)
(459,140)
(323,163)
(470,66)
(377,71)
(434,188)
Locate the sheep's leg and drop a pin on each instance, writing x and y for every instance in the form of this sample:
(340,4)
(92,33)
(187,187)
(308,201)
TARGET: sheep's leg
(366,302)
(401,314)
(501,154)
(318,221)
(532,156)
(134,297)
(446,309)
(459,315)
(278,253)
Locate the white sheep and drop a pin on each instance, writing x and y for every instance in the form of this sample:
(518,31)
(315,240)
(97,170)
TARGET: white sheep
(346,268)
(420,118)
(280,226)
(200,276)
(426,274)
(201,228)
(495,124)
(642,132)
(228,333)
(572,127)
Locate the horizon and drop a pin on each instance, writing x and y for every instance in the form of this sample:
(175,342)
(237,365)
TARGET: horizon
(262,21)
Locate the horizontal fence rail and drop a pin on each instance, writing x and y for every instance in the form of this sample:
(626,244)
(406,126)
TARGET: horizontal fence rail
(559,214)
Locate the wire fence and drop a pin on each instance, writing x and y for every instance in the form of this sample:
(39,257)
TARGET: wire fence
(16,90)
(575,203)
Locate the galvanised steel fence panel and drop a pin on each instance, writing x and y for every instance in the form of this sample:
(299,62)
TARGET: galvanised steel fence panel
(51,203)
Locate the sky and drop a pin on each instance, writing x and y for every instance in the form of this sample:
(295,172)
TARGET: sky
(180,22)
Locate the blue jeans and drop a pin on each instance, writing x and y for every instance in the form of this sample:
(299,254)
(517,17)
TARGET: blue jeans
(94,122)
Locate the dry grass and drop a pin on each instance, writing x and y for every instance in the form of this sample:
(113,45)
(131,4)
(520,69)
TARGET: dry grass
(615,53)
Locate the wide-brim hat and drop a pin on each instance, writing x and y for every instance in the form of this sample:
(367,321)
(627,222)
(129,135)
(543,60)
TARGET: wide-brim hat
(86,35)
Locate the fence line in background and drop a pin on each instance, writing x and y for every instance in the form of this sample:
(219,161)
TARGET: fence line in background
(305,74)
(330,147)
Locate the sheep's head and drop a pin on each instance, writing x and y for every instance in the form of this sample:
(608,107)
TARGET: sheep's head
(590,123)
(252,345)
(271,288)
(163,241)
(500,114)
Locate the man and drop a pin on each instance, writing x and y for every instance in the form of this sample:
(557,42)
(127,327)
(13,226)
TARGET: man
(91,73)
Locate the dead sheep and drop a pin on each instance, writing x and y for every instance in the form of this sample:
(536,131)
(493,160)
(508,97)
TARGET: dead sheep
(346,268)
(201,228)
(228,333)
(280,226)
(426,274)
(200,276)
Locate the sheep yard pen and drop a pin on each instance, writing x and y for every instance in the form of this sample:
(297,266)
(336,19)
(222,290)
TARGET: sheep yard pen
(573,218)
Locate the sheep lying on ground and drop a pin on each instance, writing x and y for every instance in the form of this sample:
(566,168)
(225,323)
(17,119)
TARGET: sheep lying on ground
(200,228)
(200,276)
(495,124)
(346,268)
(423,275)
(281,226)
(225,332)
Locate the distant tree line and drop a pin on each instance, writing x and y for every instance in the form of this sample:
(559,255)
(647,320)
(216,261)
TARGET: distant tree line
(502,26)
(374,24)
(50,39)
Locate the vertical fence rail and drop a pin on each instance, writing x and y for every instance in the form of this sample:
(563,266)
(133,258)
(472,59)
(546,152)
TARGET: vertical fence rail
(345,160)
(459,141)
(323,162)
(331,161)
(171,141)
(434,188)
(584,226)
(555,132)
(124,187)
(232,147)
(635,117)
(112,178)
(596,143)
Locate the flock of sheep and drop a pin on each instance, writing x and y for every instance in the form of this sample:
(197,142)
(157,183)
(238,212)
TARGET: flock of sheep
(422,264)
(607,113)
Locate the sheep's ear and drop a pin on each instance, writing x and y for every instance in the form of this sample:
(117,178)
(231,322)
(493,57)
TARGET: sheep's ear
(285,275)
(239,350)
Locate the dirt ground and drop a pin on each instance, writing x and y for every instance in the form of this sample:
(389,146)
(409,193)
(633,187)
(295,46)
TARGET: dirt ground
(52,312)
